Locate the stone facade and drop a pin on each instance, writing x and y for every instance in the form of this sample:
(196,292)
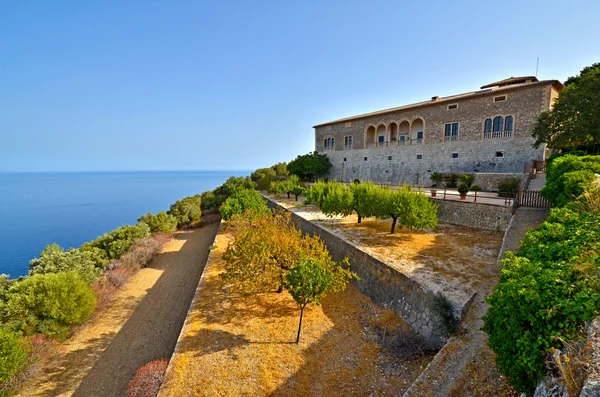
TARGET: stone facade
(407,144)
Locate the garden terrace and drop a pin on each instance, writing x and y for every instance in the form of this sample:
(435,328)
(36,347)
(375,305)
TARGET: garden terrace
(454,261)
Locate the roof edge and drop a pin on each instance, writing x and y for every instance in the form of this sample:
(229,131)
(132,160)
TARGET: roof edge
(452,98)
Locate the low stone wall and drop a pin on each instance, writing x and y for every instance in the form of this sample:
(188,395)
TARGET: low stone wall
(488,182)
(390,289)
(478,215)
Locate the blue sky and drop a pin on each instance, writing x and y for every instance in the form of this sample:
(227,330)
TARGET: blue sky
(190,85)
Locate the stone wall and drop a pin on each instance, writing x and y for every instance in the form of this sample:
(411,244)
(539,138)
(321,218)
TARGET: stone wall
(489,181)
(478,215)
(388,288)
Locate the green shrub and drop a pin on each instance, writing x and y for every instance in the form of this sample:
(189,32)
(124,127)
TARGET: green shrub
(452,180)
(117,242)
(545,295)
(475,188)
(232,185)
(467,179)
(160,223)
(280,169)
(463,188)
(49,303)
(436,178)
(187,210)
(14,353)
(317,192)
(289,186)
(55,259)
(568,176)
(242,201)
(263,177)
(209,201)
(508,187)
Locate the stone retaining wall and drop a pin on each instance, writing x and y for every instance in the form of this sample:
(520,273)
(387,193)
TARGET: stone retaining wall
(387,287)
(488,182)
(478,215)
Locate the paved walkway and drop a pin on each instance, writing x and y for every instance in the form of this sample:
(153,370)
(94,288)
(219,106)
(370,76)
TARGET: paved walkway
(538,182)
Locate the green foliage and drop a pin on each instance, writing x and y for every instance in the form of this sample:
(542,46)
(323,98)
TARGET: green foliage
(463,188)
(209,201)
(467,179)
(160,223)
(364,199)
(187,210)
(55,259)
(49,303)
(359,197)
(568,176)
(317,192)
(475,188)
(280,169)
(263,177)
(574,120)
(291,185)
(242,201)
(115,243)
(14,353)
(307,282)
(309,165)
(545,295)
(436,178)
(508,187)
(406,207)
(452,180)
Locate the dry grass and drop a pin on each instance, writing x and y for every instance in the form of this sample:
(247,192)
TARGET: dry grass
(244,346)
(455,260)
(481,378)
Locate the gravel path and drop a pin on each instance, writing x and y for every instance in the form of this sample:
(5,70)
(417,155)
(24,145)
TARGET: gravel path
(142,325)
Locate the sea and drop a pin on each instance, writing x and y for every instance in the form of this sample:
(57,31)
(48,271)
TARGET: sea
(37,209)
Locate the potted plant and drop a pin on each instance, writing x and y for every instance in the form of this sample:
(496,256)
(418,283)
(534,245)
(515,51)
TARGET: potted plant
(436,178)
(433,191)
(463,189)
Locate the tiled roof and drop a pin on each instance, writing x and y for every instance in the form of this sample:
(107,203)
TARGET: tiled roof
(452,98)
(510,80)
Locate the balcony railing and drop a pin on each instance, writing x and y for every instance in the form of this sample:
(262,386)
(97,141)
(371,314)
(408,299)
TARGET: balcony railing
(451,138)
(328,147)
(348,147)
(497,134)
(405,142)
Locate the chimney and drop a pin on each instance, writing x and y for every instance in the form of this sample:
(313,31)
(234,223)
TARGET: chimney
(434,98)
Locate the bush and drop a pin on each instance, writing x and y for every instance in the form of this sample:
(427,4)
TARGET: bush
(148,379)
(263,177)
(452,181)
(280,169)
(463,188)
(242,201)
(55,259)
(317,192)
(14,353)
(232,185)
(475,188)
(160,223)
(117,242)
(436,178)
(187,210)
(49,303)
(545,295)
(141,253)
(568,176)
(508,187)
(467,179)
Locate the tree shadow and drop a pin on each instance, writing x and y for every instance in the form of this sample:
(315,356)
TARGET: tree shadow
(212,341)
(152,330)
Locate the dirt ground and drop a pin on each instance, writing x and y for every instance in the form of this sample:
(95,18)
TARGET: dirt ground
(142,324)
(244,346)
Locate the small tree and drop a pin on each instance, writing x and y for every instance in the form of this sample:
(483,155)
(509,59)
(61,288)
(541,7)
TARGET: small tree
(309,165)
(436,178)
(307,282)
(289,186)
(406,208)
(317,192)
(467,179)
(364,199)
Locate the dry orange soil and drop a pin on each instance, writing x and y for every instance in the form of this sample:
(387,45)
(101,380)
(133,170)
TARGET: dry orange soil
(234,345)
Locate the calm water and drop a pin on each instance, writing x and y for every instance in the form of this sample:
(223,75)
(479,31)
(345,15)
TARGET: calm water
(72,208)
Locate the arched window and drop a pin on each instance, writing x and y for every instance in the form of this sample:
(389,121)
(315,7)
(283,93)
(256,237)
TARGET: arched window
(487,127)
(498,123)
(508,123)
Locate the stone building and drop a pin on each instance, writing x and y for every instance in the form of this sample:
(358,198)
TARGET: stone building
(485,131)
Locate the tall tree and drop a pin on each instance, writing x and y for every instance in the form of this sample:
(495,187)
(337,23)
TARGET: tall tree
(310,165)
(574,121)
